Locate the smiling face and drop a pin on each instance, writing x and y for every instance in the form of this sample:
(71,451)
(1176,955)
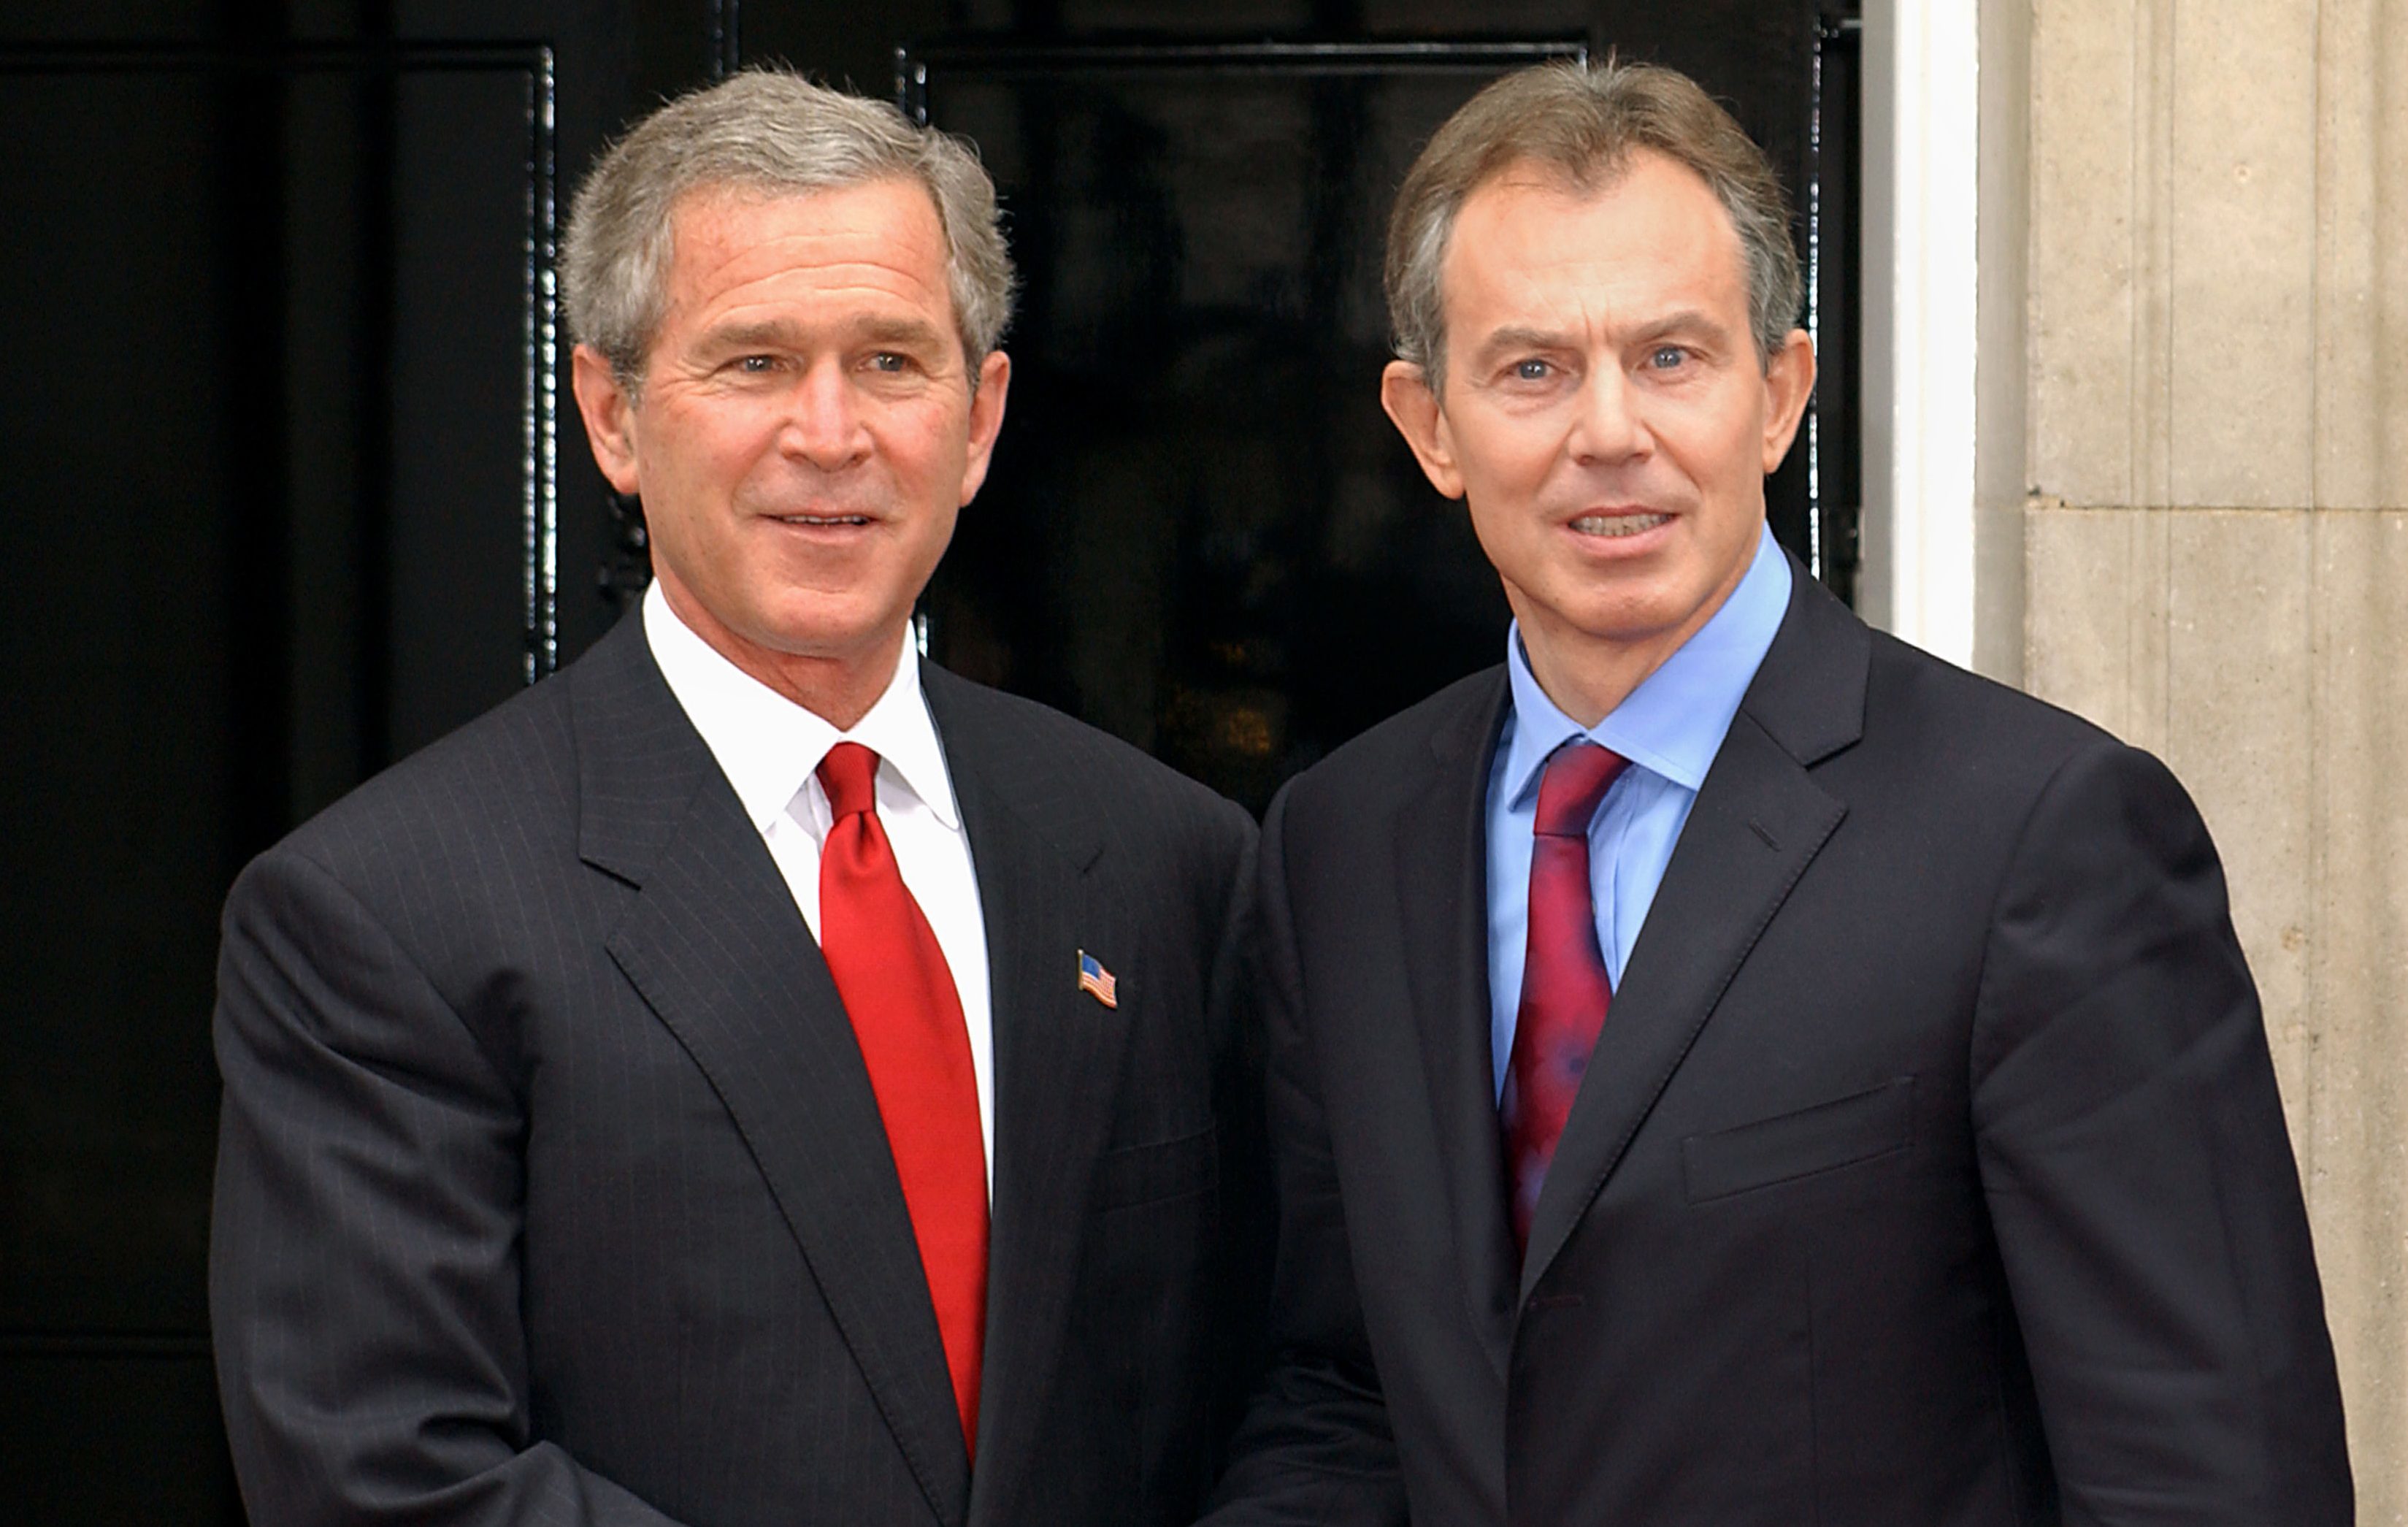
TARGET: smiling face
(806,431)
(1607,418)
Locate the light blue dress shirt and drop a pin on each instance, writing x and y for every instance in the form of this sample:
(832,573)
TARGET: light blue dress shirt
(1669,727)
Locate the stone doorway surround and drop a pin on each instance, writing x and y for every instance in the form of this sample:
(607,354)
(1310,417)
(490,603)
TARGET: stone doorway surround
(2137,440)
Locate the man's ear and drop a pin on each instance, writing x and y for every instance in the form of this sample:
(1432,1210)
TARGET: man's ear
(609,417)
(987,420)
(1404,391)
(1788,380)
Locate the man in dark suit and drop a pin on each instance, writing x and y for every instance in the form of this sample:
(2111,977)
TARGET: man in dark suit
(754,1073)
(1728,1067)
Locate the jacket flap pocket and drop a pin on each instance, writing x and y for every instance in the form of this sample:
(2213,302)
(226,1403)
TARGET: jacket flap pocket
(1772,1150)
(1166,1169)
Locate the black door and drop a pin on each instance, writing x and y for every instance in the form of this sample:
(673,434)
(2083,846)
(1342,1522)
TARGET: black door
(1200,531)
(295,484)
(284,499)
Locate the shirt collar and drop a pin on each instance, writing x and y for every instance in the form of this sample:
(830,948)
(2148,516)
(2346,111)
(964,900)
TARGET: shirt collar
(1674,722)
(768,746)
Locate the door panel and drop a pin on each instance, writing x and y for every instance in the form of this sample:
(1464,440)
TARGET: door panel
(1200,531)
(280,493)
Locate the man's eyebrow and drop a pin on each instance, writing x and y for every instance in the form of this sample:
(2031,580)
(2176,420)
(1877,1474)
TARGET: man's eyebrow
(775,334)
(1680,322)
(769,333)
(1515,337)
(900,331)
(1686,323)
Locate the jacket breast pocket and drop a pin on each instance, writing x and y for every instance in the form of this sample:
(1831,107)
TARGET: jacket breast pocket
(1842,1132)
(1165,1169)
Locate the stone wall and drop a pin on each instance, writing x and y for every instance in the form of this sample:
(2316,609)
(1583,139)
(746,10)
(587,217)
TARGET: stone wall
(2215,450)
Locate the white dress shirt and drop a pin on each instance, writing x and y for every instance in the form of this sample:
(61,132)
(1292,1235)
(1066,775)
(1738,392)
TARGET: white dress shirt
(770,749)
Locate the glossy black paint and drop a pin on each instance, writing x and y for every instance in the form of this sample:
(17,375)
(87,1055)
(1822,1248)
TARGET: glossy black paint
(271,489)
(1200,531)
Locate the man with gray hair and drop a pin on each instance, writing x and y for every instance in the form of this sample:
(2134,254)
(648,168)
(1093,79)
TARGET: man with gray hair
(1725,1066)
(754,1075)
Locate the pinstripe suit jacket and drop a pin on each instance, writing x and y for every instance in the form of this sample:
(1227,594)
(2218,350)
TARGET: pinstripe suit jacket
(551,1186)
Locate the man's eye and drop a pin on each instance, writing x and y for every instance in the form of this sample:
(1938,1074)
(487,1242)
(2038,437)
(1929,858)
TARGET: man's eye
(756,365)
(890,362)
(1667,357)
(1532,371)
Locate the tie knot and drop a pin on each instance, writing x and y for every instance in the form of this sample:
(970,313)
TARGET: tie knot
(1575,782)
(848,774)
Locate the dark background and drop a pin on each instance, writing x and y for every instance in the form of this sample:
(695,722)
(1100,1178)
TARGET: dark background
(295,483)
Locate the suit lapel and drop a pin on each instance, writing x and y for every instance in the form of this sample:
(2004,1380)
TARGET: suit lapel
(1758,822)
(1057,1060)
(1442,884)
(715,946)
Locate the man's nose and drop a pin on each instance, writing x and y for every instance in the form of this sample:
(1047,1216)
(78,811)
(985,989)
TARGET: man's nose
(823,423)
(1611,424)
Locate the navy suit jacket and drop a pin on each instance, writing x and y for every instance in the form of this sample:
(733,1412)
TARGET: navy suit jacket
(1929,1168)
(552,1188)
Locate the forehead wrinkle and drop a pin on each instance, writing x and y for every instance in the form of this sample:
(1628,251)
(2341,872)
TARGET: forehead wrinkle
(876,328)
(1507,243)
(720,250)
(787,281)
(702,215)
(767,314)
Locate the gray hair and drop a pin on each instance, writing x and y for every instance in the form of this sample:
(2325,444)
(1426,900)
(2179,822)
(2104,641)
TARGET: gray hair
(1583,122)
(772,132)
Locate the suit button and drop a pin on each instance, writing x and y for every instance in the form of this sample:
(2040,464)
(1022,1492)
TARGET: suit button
(1501,1303)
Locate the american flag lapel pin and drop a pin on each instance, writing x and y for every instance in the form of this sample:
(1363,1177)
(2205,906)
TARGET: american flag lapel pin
(1096,981)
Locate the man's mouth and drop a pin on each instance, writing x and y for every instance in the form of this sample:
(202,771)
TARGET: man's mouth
(817,520)
(1619,525)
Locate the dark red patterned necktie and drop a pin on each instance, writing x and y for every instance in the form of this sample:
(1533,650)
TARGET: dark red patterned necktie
(1564,992)
(907,1015)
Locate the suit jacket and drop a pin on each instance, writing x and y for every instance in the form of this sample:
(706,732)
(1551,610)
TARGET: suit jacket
(1930,1167)
(552,1188)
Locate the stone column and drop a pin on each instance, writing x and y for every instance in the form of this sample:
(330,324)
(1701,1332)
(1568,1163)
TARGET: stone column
(2216,536)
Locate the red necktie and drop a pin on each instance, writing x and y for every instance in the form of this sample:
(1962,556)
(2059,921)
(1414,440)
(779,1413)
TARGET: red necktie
(891,975)
(1564,987)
